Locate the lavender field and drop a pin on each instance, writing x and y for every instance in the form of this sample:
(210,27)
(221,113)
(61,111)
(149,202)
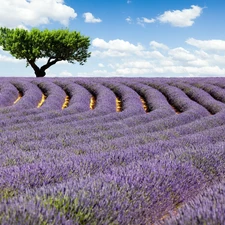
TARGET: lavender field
(112,151)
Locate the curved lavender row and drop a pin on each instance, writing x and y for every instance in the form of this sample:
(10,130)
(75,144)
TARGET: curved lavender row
(139,138)
(61,116)
(181,101)
(154,98)
(156,101)
(215,91)
(207,208)
(220,82)
(8,94)
(30,99)
(104,96)
(79,97)
(55,99)
(105,99)
(104,118)
(130,99)
(125,138)
(154,126)
(202,97)
(81,100)
(167,123)
(55,95)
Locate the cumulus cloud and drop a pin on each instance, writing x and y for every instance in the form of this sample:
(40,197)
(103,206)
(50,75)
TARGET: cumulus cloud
(65,73)
(128,19)
(198,63)
(15,13)
(109,53)
(89,18)
(181,54)
(144,20)
(181,18)
(211,45)
(150,54)
(94,73)
(132,71)
(134,60)
(4,58)
(137,64)
(100,72)
(155,45)
(101,65)
(116,45)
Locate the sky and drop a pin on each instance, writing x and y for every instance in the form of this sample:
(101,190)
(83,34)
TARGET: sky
(129,38)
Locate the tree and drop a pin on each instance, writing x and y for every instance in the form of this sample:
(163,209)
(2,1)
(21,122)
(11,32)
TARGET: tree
(55,45)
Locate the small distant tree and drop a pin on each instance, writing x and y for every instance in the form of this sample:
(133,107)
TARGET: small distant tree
(55,45)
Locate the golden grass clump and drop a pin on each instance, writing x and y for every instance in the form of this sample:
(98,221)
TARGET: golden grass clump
(42,101)
(118,105)
(144,104)
(66,102)
(92,102)
(19,97)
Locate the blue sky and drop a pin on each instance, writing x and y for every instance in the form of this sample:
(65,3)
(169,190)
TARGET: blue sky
(129,38)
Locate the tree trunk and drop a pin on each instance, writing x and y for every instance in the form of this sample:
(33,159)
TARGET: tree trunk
(40,73)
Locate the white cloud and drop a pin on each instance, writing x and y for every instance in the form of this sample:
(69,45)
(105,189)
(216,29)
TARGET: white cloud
(128,1)
(116,45)
(89,18)
(132,71)
(202,54)
(198,63)
(4,58)
(137,64)
(100,72)
(163,61)
(144,20)
(156,45)
(181,18)
(166,62)
(217,59)
(211,45)
(65,73)
(181,54)
(129,20)
(108,53)
(101,65)
(151,54)
(17,13)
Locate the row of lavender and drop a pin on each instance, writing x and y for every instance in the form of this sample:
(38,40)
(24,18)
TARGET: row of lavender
(82,166)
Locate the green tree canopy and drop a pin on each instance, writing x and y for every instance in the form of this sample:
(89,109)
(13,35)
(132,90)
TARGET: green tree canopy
(55,45)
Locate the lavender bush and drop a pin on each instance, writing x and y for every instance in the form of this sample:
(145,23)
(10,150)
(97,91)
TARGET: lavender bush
(68,155)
